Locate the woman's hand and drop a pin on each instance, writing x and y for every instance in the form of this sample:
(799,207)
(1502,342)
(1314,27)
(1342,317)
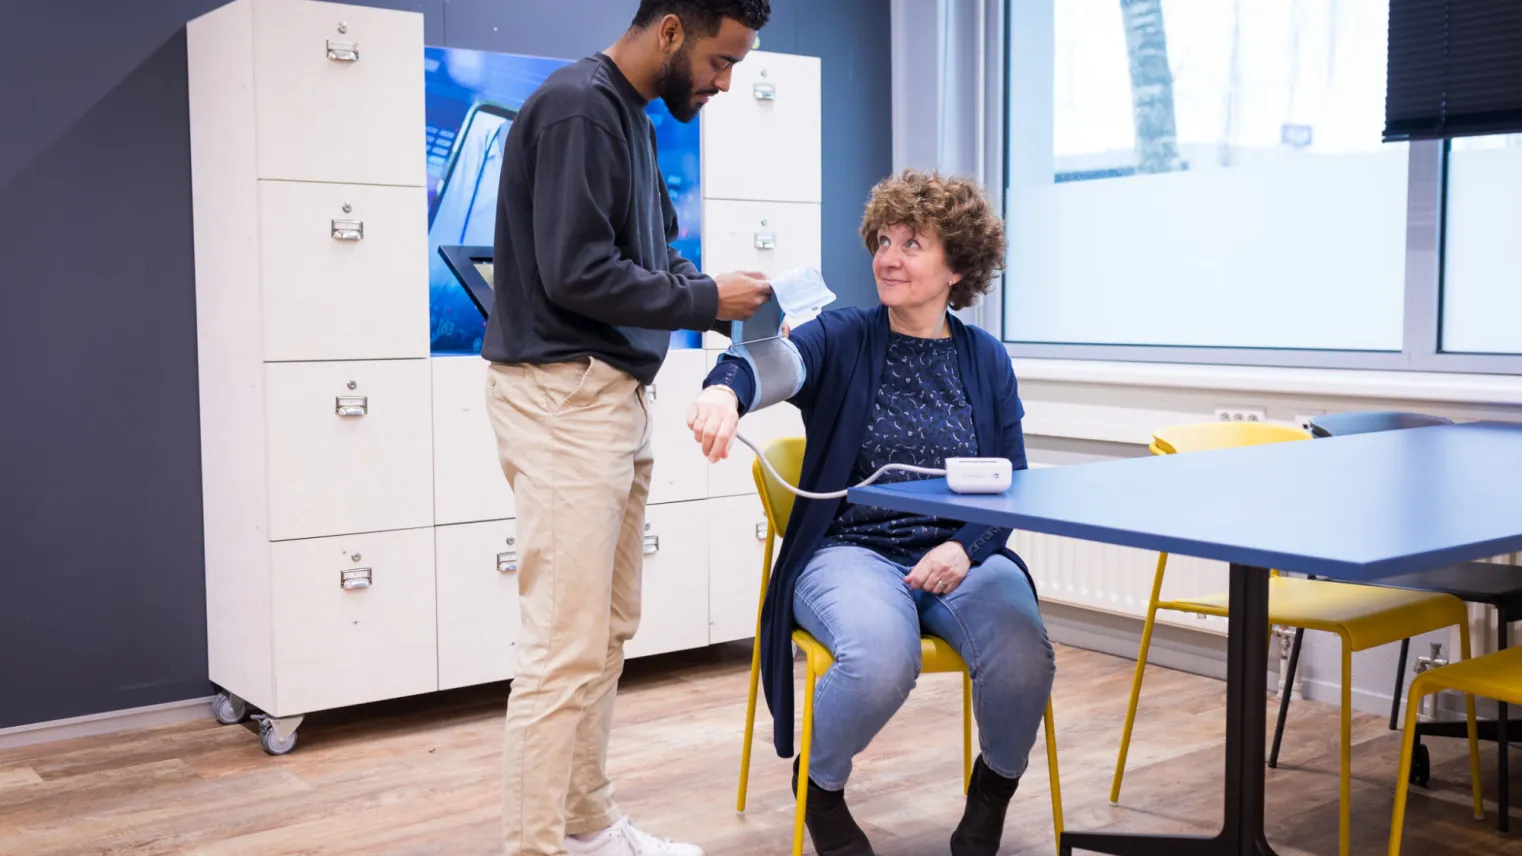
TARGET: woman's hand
(712,418)
(942,569)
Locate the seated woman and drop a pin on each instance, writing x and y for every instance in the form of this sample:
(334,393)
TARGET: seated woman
(908,383)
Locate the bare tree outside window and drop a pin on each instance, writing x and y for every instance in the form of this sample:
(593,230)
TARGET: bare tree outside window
(1151,87)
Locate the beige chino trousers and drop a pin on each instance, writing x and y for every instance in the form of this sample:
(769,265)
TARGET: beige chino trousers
(574,442)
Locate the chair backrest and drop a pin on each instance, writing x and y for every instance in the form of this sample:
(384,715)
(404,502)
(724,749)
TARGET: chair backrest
(786,457)
(1371,421)
(1206,436)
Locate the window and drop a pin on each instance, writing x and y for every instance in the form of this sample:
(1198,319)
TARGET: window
(1482,261)
(1206,181)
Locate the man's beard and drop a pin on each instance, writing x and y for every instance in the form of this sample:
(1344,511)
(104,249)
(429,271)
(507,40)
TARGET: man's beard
(676,87)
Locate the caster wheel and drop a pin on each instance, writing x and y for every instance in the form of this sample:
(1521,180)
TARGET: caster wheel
(272,743)
(1421,766)
(228,709)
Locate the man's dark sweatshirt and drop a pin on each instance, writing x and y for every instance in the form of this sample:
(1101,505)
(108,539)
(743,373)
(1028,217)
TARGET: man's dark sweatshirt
(583,264)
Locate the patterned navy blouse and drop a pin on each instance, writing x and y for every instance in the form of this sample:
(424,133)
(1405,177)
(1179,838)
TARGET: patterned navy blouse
(921,417)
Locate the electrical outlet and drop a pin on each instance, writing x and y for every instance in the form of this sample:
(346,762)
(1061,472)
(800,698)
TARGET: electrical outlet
(1240,414)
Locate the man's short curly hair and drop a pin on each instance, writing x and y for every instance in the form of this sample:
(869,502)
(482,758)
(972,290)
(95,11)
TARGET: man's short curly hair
(957,211)
(703,17)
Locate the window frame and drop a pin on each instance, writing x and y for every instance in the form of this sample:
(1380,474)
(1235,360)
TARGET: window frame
(1426,208)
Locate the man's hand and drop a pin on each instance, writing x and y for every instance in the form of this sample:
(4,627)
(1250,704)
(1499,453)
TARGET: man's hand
(942,569)
(741,293)
(713,418)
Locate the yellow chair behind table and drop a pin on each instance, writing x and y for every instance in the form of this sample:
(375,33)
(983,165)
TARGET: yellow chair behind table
(1495,676)
(786,456)
(1363,616)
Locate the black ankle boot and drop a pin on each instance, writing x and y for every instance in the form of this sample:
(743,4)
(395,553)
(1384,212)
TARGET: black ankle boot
(829,822)
(982,825)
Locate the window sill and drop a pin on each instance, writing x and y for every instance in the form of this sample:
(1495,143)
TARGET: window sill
(1474,389)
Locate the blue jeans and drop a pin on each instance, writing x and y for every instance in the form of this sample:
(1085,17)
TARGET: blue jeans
(856,603)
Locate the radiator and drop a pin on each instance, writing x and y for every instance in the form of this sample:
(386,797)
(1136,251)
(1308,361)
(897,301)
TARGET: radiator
(1117,580)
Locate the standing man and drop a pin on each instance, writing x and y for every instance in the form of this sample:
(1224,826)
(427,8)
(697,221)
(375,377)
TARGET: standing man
(587,293)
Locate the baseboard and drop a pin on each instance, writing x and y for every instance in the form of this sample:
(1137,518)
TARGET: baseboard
(110,722)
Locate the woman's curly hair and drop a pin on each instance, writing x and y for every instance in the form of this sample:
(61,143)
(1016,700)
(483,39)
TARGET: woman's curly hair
(955,210)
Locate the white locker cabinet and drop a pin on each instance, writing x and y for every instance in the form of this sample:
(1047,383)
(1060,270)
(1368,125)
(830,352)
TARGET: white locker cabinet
(736,546)
(354,620)
(340,271)
(761,140)
(679,463)
(350,447)
(478,602)
(338,91)
(770,237)
(360,538)
(467,473)
(674,581)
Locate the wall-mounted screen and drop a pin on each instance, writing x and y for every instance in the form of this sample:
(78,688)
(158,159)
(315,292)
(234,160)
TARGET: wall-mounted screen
(472,100)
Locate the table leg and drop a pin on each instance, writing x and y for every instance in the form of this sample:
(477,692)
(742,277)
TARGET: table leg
(1246,718)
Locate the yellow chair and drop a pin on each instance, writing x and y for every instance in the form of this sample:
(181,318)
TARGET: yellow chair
(1363,616)
(937,656)
(1497,676)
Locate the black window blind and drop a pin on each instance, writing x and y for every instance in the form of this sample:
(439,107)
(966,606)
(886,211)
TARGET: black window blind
(1455,69)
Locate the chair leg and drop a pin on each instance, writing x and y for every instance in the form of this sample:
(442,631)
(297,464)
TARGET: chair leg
(1503,742)
(803,759)
(1345,794)
(1051,772)
(1400,683)
(755,675)
(1474,738)
(750,723)
(1136,682)
(1289,690)
(1403,774)
(966,731)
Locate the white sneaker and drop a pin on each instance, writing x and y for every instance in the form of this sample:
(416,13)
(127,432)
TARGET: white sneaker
(625,839)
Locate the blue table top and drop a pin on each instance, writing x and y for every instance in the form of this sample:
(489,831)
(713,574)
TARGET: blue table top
(1358,507)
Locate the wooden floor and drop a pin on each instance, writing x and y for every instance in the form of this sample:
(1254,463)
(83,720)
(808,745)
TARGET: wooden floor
(421,776)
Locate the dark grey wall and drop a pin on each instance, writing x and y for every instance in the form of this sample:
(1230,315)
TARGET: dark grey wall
(102,603)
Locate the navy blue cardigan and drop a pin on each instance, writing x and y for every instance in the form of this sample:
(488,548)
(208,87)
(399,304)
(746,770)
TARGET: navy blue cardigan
(843,354)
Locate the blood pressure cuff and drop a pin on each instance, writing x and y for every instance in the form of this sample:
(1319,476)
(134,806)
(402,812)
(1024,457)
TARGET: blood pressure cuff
(776,372)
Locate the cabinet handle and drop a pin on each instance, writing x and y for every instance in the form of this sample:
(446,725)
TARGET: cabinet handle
(507,562)
(766,241)
(359,578)
(351,405)
(652,544)
(348,230)
(765,91)
(343,51)
(760,531)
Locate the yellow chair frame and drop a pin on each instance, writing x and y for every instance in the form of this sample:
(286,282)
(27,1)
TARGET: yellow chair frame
(937,656)
(1497,676)
(1362,616)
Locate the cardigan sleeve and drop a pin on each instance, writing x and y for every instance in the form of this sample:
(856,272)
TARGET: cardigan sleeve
(982,541)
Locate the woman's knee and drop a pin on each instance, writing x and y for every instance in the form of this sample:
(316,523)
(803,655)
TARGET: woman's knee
(885,657)
(1005,623)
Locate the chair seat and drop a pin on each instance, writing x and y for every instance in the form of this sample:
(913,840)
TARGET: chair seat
(936,654)
(1495,676)
(1367,616)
